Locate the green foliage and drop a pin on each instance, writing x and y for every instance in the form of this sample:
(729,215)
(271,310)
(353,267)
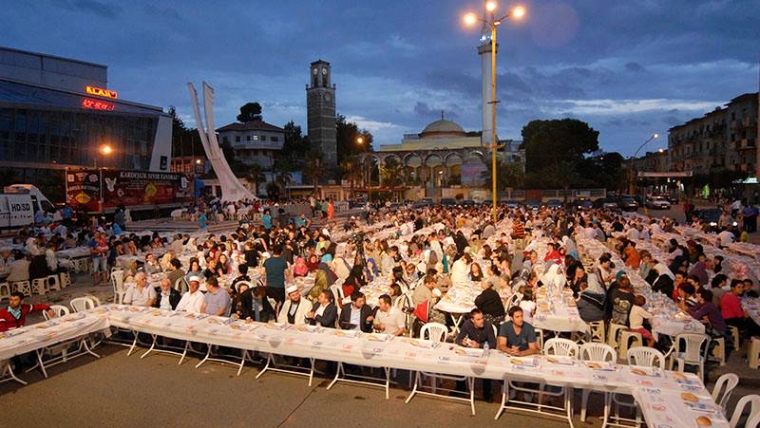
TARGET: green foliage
(555,150)
(185,141)
(508,174)
(348,134)
(296,145)
(249,112)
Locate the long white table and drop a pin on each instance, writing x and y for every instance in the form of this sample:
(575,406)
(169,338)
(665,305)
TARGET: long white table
(371,350)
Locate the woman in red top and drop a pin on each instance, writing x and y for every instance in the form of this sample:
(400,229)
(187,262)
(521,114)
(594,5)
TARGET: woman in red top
(731,309)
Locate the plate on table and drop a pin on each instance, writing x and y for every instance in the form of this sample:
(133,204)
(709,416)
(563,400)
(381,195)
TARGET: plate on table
(309,328)
(565,361)
(347,333)
(422,343)
(379,337)
(523,361)
(468,352)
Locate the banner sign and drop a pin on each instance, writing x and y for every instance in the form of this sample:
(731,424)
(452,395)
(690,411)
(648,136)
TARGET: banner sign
(144,188)
(83,189)
(128,188)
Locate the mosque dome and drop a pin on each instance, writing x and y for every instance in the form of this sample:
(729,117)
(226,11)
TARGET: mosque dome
(442,128)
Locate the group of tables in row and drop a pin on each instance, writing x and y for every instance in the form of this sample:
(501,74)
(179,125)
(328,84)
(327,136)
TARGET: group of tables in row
(666,398)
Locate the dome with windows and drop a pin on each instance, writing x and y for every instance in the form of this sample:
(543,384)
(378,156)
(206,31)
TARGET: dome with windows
(442,128)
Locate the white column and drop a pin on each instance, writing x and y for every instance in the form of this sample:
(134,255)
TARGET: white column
(485,71)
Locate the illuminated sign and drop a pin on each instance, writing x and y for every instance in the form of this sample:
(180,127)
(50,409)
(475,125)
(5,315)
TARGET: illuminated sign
(107,93)
(97,105)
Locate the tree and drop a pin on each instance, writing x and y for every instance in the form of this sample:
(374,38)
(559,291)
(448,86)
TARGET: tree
(347,136)
(255,174)
(508,174)
(296,146)
(555,147)
(603,170)
(314,170)
(249,112)
(185,141)
(391,172)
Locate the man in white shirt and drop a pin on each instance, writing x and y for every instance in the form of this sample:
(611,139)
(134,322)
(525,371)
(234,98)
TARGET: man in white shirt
(140,294)
(389,320)
(192,301)
(726,237)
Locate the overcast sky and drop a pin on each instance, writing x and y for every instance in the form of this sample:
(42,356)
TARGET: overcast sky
(629,68)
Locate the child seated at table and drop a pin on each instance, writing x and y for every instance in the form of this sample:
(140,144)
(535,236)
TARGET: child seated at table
(637,316)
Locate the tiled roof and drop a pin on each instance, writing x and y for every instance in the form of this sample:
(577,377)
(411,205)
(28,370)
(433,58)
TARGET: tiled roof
(254,125)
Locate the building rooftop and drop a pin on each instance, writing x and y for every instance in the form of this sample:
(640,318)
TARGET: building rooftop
(26,95)
(254,125)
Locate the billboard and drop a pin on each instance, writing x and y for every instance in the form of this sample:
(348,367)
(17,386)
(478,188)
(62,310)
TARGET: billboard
(131,188)
(85,188)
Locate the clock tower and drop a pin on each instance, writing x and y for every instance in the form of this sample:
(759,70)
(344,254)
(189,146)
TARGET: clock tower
(320,105)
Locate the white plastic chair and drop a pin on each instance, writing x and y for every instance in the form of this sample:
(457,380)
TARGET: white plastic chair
(81,304)
(694,352)
(513,300)
(645,356)
(753,420)
(59,310)
(730,380)
(337,291)
(561,348)
(556,347)
(642,356)
(437,332)
(117,279)
(594,352)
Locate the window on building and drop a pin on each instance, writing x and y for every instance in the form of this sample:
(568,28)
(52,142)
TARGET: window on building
(275,139)
(237,138)
(255,138)
(225,140)
(247,138)
(263,138)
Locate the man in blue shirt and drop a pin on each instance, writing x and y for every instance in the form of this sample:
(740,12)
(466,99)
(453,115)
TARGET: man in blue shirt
(516,337)
(275,267)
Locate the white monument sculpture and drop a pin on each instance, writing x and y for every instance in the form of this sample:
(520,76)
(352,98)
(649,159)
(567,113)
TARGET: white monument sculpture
(232,189)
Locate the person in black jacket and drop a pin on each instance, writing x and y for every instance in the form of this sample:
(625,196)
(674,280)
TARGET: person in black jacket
(489,302)
(255,306)
(324,313)
(166,296)
(350,320)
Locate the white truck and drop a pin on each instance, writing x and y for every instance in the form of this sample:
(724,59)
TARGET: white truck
(19,203)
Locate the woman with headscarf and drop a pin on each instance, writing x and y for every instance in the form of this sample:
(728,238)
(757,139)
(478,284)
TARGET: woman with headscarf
(300,268)
(313,263)
(570,248)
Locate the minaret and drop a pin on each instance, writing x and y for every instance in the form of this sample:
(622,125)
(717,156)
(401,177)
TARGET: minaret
(320,107)
(484,50)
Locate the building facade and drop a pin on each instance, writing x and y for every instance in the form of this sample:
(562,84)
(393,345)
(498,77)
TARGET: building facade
(725,138)
(442,155)
(58,113)
(255,142)
(321,116)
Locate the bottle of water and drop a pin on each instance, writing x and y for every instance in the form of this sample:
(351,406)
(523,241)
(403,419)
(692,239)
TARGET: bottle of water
(486,349)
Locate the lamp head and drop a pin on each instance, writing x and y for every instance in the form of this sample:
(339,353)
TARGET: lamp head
(490,6)
(518,12)
(470,18)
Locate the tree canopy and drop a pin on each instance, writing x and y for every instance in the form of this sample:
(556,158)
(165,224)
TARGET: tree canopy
(249,112)
(555,149)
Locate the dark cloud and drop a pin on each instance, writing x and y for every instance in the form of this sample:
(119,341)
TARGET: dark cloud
(94,7)
(634,67)
(425,112)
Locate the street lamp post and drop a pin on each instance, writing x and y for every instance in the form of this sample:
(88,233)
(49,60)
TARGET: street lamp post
(631,179)
(471,19)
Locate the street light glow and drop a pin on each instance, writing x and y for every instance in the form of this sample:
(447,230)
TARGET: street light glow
(656,136)
(518,12)
(106,149)
(491,6)
(470,18)
(360,140)
(198,161)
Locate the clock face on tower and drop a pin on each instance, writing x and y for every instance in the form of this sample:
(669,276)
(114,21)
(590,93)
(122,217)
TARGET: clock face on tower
(327,97)
(314,71)
(324,71)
